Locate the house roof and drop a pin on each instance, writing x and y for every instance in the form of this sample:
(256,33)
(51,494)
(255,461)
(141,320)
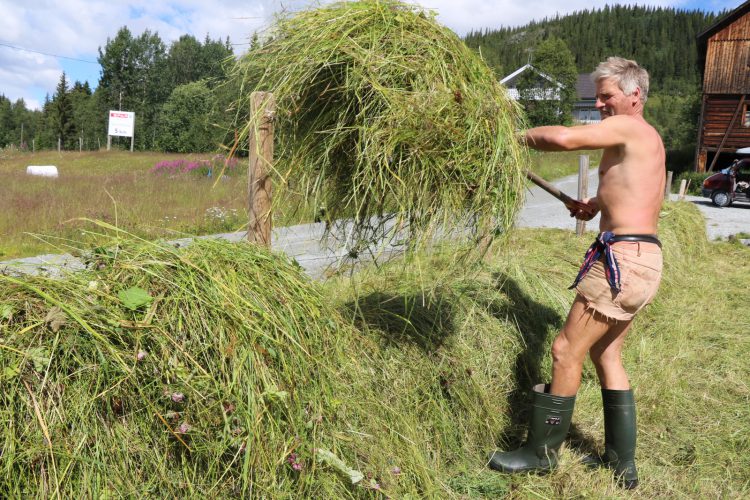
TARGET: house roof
(510,79)
(585,87)
(716,27)
(724,22)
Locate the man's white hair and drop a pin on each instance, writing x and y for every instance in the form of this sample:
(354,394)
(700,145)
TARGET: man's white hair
(626,73)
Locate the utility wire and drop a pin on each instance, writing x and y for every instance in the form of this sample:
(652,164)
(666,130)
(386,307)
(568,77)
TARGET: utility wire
(45,53)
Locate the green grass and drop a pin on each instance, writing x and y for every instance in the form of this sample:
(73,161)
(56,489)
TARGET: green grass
(39,214)
(409,373)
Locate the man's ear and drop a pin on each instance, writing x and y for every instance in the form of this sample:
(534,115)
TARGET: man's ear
(637,95)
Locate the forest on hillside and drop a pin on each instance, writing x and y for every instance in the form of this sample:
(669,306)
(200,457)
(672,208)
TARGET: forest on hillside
(180,93)
(663,40)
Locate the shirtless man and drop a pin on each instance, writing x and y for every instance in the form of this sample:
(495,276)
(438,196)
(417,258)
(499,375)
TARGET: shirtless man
(620,274)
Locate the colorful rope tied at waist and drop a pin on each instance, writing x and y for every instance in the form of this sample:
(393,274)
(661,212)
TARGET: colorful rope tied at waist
(603,243)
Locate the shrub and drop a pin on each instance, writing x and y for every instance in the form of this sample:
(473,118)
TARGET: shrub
(695,181)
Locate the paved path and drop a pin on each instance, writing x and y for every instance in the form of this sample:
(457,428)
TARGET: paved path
(303,242)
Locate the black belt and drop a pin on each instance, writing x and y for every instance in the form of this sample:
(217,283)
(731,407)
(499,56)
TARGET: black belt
(646,238)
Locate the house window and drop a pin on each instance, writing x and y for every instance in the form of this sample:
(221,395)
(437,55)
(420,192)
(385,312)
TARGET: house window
(746,117)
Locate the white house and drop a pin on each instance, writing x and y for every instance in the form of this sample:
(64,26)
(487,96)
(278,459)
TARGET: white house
(545,87)
(584,109)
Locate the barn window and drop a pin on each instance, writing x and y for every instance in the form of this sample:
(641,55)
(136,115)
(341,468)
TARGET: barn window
(746,116)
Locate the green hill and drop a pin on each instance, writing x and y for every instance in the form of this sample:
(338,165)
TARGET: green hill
(663,40)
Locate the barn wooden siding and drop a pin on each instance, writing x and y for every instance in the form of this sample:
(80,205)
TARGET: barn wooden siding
(726,88)
(728,59)
(719,111)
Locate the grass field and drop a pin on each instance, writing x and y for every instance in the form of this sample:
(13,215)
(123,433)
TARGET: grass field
(40,214)
(116,187)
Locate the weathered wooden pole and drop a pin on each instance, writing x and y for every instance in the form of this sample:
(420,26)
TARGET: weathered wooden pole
(683,189)
(668,186)
(583,189)
(262,109)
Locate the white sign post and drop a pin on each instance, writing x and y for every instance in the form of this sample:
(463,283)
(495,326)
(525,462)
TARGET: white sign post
(121,124)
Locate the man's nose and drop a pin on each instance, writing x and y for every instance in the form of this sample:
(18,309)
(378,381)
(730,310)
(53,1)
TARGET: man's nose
(599,104)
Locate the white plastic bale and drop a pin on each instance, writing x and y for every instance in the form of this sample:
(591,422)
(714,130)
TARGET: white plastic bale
(42,170)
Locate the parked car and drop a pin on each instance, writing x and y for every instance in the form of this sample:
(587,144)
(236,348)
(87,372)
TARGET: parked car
(724,188)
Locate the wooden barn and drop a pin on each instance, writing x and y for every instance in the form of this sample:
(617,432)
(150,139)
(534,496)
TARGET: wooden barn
(724,55)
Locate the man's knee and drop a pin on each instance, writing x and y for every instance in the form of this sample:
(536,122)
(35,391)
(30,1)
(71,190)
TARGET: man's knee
(563,353)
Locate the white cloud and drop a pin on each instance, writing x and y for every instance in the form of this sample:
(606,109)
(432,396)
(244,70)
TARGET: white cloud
(77,28)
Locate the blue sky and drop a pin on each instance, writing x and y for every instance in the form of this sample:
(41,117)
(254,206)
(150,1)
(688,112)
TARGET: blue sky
(52,30)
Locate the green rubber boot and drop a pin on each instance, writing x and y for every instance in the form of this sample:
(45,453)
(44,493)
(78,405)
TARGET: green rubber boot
(548,427)
(619,437)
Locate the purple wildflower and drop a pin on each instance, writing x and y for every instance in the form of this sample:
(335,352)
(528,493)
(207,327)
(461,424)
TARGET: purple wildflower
(184,428)
(141,355)
(293,460)
(178,397)
(396,471)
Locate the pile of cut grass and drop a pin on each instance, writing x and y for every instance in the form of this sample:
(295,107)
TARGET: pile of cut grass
(384,116)
(162,372)
(408,375)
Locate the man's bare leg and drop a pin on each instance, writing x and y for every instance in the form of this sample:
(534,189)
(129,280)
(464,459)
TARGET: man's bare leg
(606,354)
(581,331)
(619,407)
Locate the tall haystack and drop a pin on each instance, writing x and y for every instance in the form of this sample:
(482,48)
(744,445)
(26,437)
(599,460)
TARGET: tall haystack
(385,115)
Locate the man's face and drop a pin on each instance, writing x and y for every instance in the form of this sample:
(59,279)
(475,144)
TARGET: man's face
(611,100)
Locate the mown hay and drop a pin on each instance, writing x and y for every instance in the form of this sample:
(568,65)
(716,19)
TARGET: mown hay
(250,376)
(161,371)
(383,112)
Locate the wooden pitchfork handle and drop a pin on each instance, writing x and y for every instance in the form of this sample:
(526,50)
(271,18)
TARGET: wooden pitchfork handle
(569,202)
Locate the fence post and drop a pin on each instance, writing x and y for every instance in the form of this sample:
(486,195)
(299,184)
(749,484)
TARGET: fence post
(668,186)
(683,189)
(260,139)
(583,188)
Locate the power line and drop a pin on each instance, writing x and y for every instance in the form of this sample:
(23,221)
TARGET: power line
(46,53)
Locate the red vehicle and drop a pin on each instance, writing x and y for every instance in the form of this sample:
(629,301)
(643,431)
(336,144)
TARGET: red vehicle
(730,185)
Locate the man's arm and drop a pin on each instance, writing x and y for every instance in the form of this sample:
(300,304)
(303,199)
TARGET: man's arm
(608,133)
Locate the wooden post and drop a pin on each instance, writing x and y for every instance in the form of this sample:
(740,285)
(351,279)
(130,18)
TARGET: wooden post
(668,186)
(583,189)
(109,142)
(683,189)
(262,109)
(59,143)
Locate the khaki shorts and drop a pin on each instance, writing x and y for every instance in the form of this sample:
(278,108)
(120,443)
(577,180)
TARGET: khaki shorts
(640,274)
